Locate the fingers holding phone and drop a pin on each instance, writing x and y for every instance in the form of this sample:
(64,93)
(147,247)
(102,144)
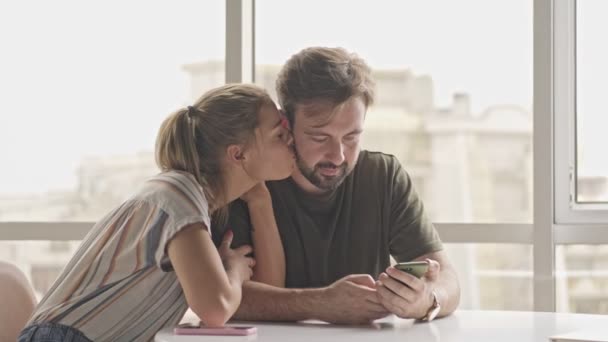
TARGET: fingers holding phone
(403,288)
(433,271)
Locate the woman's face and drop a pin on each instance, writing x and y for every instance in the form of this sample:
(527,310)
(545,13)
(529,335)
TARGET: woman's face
(271,156)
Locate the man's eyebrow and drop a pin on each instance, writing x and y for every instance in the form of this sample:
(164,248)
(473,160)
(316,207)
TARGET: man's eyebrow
(355,131)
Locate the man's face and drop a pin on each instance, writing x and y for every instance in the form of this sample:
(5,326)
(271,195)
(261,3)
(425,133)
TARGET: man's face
(327,142)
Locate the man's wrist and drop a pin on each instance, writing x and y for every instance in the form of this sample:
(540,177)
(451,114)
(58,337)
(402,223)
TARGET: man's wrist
(309,302)
(433,309)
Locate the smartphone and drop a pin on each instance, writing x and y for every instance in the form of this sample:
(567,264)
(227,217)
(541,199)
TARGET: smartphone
(415,268)
(192,329)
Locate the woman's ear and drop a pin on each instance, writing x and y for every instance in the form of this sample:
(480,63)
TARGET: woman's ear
(284,121)
(235,153)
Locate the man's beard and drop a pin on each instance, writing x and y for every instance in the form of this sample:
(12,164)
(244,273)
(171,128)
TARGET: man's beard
(314,176)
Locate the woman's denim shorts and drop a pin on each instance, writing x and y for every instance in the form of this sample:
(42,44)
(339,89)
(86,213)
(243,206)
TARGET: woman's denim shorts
(51,332)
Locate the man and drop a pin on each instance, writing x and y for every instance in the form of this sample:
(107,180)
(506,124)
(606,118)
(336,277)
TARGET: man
(343,212)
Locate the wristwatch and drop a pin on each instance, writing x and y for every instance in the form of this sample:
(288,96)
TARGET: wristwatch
(433,310)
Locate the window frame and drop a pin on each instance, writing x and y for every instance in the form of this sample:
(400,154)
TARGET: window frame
(568,210)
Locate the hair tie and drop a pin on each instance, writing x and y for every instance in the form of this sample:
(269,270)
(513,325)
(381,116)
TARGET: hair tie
(189,111)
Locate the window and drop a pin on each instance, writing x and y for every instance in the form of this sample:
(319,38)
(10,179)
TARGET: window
(85,90)
(580,218)
(582,279)
(591,70)
(581,188)
(38,260)
(491,277)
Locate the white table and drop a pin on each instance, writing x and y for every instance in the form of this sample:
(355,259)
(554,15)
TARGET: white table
(494,326)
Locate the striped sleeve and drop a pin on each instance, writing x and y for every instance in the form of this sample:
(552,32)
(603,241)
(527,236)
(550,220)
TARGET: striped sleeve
(184,203)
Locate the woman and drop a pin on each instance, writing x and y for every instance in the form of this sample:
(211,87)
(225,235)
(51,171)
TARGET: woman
(146,261)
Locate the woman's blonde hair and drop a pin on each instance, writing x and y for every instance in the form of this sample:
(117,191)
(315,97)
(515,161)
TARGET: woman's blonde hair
(194,139)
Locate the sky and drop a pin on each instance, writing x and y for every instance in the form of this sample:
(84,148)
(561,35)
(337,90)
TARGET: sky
(96,78)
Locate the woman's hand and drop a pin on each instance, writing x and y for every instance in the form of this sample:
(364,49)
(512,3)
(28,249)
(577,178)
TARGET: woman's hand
(235,260)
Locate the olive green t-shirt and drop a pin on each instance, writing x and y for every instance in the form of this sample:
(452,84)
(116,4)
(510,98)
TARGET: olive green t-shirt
(373,214)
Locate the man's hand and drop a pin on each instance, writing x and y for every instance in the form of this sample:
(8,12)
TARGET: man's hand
(405,295)
(351,300)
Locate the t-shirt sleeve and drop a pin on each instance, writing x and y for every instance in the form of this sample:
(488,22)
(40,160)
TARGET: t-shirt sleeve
(411,232)
(170,228)
(179,204)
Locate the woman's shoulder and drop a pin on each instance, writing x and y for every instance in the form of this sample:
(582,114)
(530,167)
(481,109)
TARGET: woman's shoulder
(174,189)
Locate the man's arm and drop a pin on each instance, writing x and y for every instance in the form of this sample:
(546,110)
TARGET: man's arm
(413,236)
(350,300)
(262,302)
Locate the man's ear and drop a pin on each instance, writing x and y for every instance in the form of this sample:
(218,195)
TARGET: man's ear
(235,153)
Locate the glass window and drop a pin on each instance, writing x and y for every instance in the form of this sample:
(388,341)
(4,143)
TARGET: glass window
(581,278)
(493,276)
(85,90)
(591,71)
(454,91)
(40,261)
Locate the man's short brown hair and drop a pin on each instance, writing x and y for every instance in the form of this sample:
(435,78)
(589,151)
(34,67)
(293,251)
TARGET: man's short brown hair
(332,75)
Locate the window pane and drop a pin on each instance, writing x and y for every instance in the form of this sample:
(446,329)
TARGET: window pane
(85,88)
(454,91)
(591,71)
(493,276)
(40,261)
(582,279)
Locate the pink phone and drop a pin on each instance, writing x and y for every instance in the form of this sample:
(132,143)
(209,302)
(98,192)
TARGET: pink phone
(191,329)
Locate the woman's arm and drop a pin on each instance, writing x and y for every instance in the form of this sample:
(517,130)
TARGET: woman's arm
(211,283)
(268,248)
